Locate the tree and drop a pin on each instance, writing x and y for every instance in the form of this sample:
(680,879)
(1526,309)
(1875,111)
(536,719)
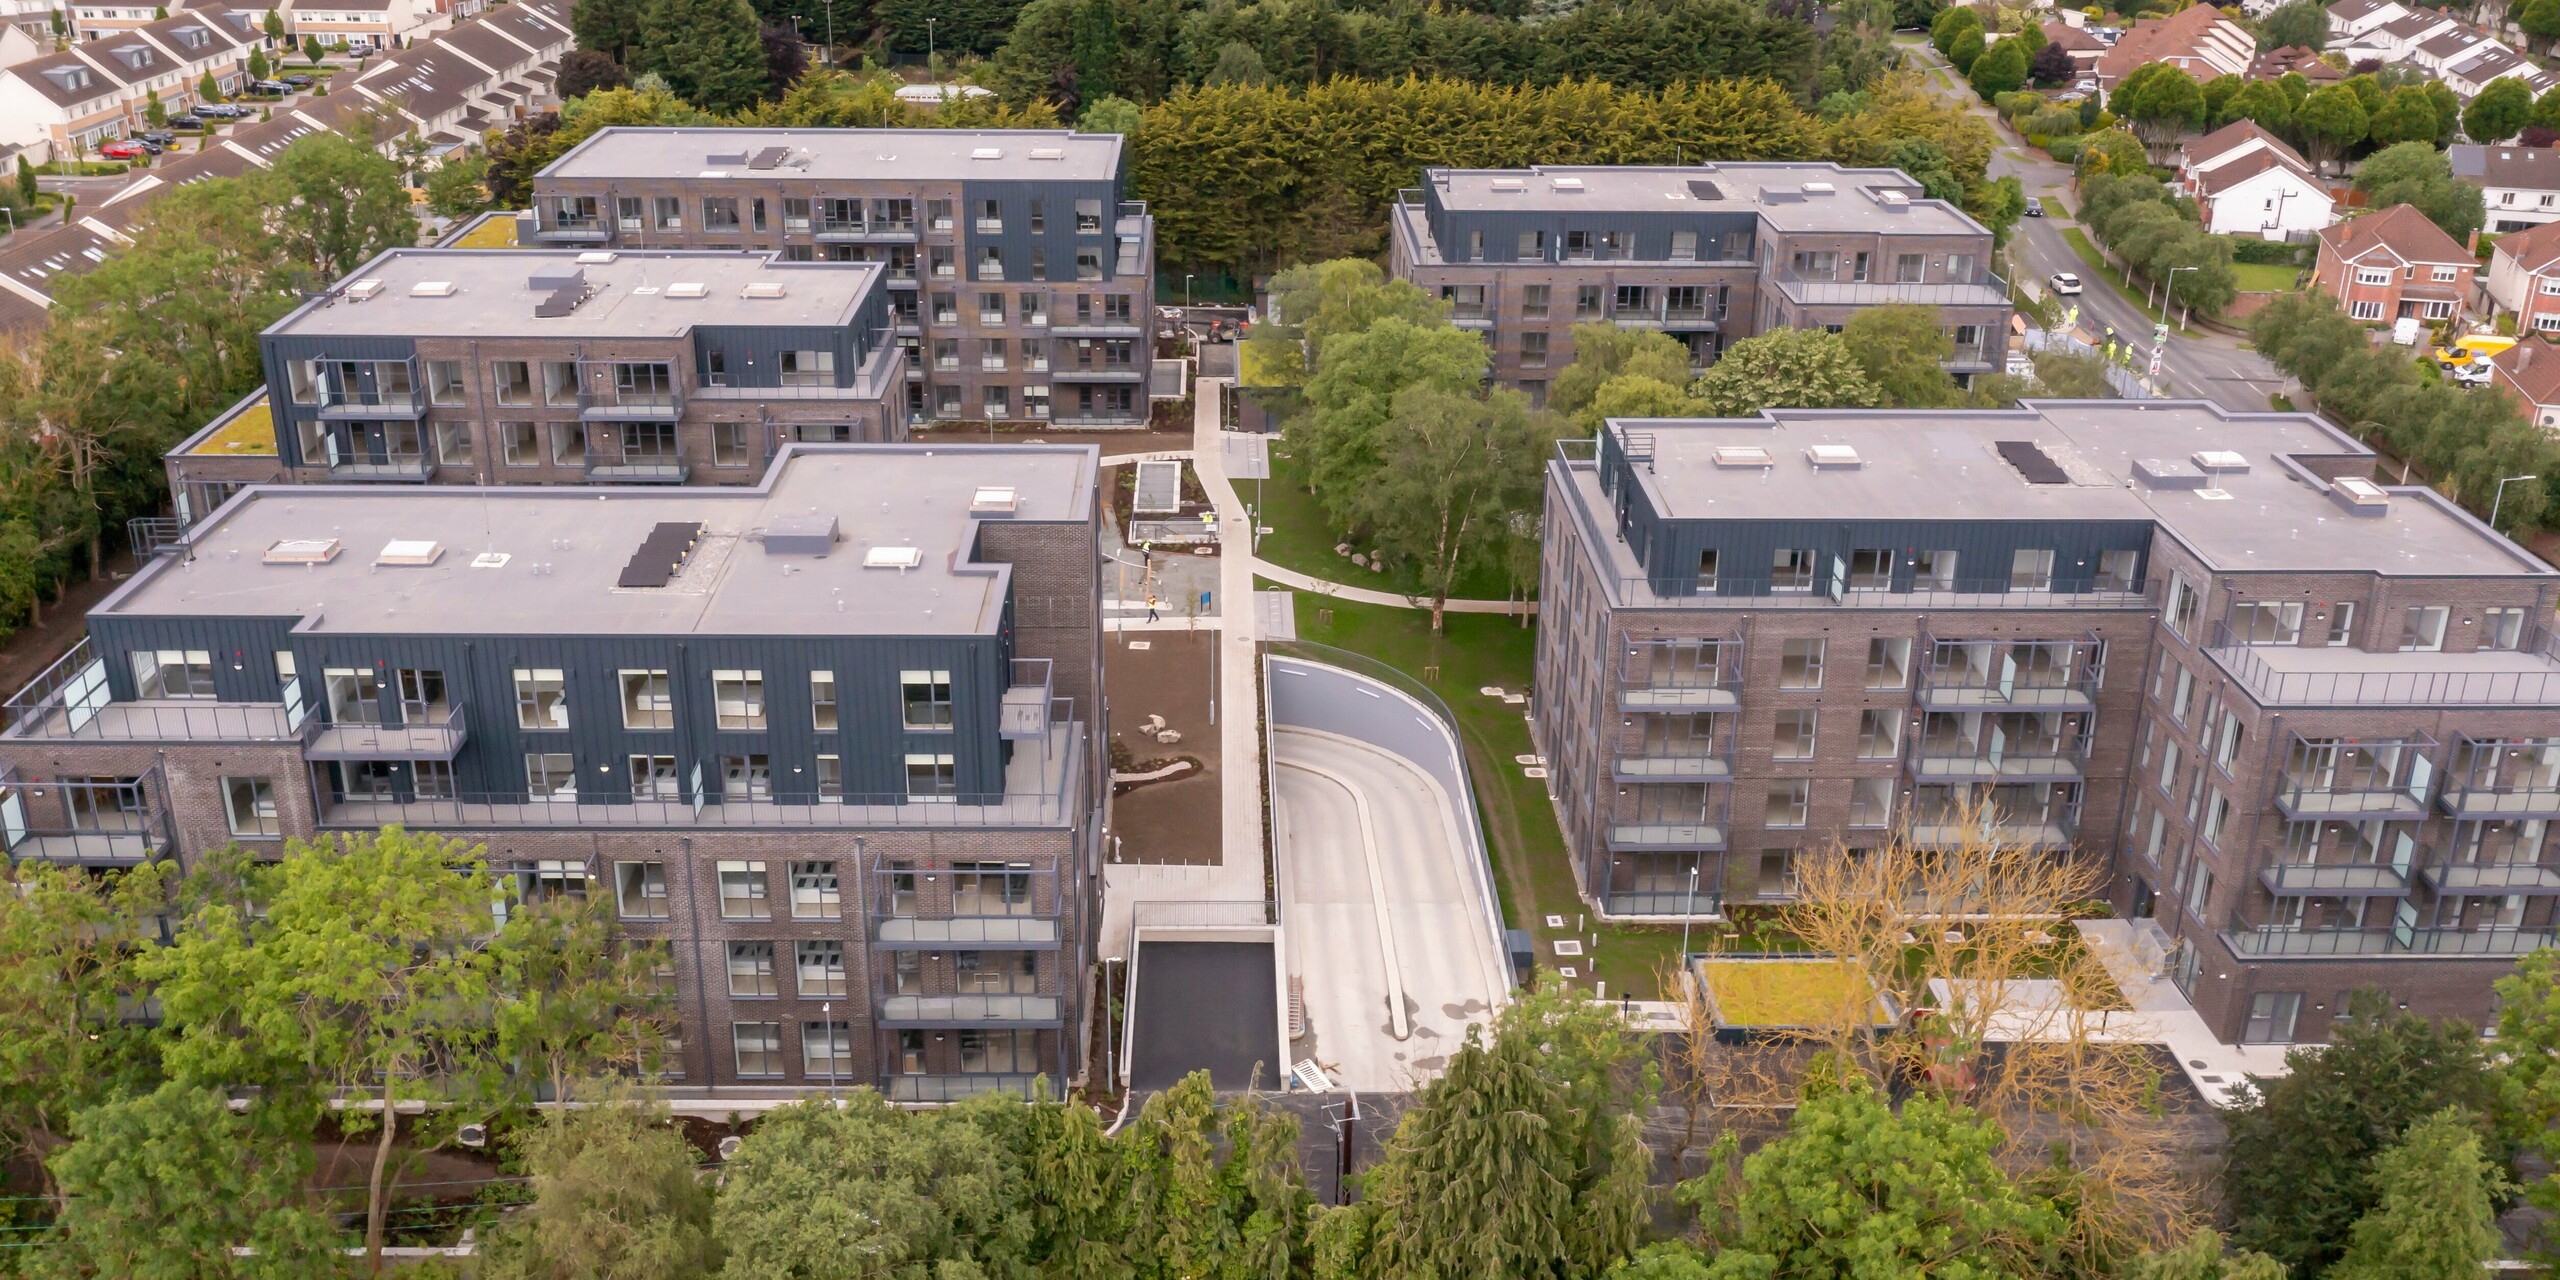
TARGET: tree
(1455,472)
(1902,348)
(2540,18)
(2406,116)
(2300,24)
(2448,109)
(153,113)
(64,963)
(607,27)
(2330,119)
(2001,69)
(1968,49)
(273,27)
(2435,1215)
(1602,352)
(581,1000)
(864,1189)
(2263,102)
(370,977)
(1312,303)
(1212,1190)
(2416,173)
(175,1185)
(1237,64)
(2499,112)
(1351,398)
(26,182)
(458,187)
(2297,1170)
(2065,376)
(2052,66)
(337,203)
(1944,29)
(616,1197)
(1526,1158)
(207,90)
(583,71)
(1811,368)
(2217,92)
(786,57)
(2201,1258)
(312,51)
(1110,115)
(258,68)
(708,50)
(2161,102)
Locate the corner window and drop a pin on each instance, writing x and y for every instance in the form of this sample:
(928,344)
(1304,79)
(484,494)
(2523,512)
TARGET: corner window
(1788,802)
(926,696)
(250,804)
(2265,622)
(1888,663)
(2184,603)
(1800,664)
(444,382)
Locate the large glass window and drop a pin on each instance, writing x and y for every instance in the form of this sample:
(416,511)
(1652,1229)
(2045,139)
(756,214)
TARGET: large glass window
(250,804)
(542,698)
(640,890)
(815,894)
(826,1050)
(1800,664)
(2422,627)
(926,696)
(648,700)
(2267,622)
(173,673)
(751,973)
(759,1046)
(931,777)
(738,698)
(550,773)
(820,966)
(743,891)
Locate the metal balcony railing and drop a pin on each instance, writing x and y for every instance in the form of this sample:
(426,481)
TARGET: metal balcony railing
(1998,755)
(2501,940)
(2336,879)
(1706,835)
(2527,877)
(1990,291)
(2352,779)
(433,735)
(962,1011)
(393,468)
(2288,940)
(919,1089)
(1665,904)
(86,823)
(2059,674)
(630,406)
(2290,676)
(2503,778)
(637,468)
(71,700)
(357,402)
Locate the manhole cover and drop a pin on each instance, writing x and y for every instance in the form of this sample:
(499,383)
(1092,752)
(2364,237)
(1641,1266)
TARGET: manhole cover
(1555,922)
(1568,971)
(1568,946)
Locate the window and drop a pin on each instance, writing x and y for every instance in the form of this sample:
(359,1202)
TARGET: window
(926,696)
(930,778)
(521,443)
(815,894)
(1794,738)
(444,382)
(2031,570)
(453,444)
(991,309)
(759,1046)
(999,1052)
(542,699)
(2184,697)
(1871,802)
(1871,569)
(1791,569)
(173,673)
(1910,268)
(1879,734)
(822,701)
(2264,622)
(826,1049)
(2116,570)
(737,699)
(2342,624)
(818,368)
(1788,802)
(1533,301)
(991,262)
(640,890)
(2226,747)
(648,700)
(670,213)
(729,445)
(250,804)
(2364,310)
(1533,349)
(559,382)
(751,974)
(2271,1017)
(2200,892)
(1800,665)
(830,777)
(1530,246)
(550,773)
(568,443)
(1586,302)
(2501,627)
(1707,570)
(2216,816)
(795,213)
(2373,275)
(2441,275)
(997,972)
(654,778)
(742,891)
(513,380)
(1933,570)
(2184,603)
(1888,663)
(1088,264)
(2422,628)
(747,777)
(1684,246)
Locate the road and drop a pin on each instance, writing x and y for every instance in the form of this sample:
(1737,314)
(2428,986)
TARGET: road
(2202,364)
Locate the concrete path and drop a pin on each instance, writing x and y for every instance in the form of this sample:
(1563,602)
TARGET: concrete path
(1384,924)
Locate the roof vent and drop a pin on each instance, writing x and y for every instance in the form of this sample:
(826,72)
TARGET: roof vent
(762,289)
(716,159)
(409,553)
(359,290)
(993,500)
(1819,188)
(892,558)
(987,153)
(432,289)
(1509,185)
(302,551)
(809,534)
(1892,200)
(663,552)
(1743,455)
(713,173)
(687,289)
(1830,456)
(490,560)
(2219,460)
(2166,474)
(595,257)
(2359,496)
(1701,189)
(1568,184)
(1048,153)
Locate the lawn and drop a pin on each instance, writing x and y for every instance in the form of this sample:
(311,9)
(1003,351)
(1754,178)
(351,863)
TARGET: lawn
(2097,263)
(496,231)
(2265,277)
(1784,993)
(252,432)
(1302,538)
(1530,871)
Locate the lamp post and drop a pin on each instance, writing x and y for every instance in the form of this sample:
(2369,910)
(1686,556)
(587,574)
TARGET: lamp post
(2168,283)
(1687,911)
(827,1018)
(831,32)
(1186,296)
(928,42)
(1110,1077)
(2502,497)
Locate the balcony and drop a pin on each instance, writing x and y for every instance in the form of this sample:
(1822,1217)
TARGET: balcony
(630,406)
(434,735)
(2503,778)
(1641,766)
(70,700)
(1677,675)
(876,232)
(913,1090)
(2350,779)
(2530,878)
(392,468)
(2336,880)
(1678,904)
(1666,837)
(1999,756)
(1977,675)
(577,230)
(2288,940)
(2290,676)
(85,823)
(339,404)
(965,1011)
(2500,940)
(1990,291)
(2023,832)
(637,468)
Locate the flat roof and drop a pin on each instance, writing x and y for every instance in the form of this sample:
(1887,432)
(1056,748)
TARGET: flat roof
(916,155)
(566,548)
(1776,191)
(1947,465)
(654,293)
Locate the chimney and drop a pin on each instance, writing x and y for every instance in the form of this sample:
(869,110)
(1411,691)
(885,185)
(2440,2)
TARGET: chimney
(2472,245)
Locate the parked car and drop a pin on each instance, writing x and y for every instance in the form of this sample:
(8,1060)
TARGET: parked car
(2475,374)
(185,121)
(2471,349)
(161,136)
(221,111)
(124,149)
(298,80)
(276,87)
(2064,283)
(2035,206)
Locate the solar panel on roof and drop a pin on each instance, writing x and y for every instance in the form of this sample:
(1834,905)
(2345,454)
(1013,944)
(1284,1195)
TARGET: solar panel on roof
(1705,190)
(2032,462)
(660,554)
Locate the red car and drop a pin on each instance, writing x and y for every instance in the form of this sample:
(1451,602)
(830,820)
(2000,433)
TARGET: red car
(126,149)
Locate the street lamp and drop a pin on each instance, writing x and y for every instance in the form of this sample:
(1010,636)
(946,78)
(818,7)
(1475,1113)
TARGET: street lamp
(1186,295)
(831,32)
(827,1019)
(928,42)
(1686,911)
(2502,497)
(2169,283)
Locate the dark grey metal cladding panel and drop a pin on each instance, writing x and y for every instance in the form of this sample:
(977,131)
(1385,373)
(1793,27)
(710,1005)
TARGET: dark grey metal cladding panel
(1652,230)
(754,353)
(1983,548)
(277,350)
(243,649)
(1058,239)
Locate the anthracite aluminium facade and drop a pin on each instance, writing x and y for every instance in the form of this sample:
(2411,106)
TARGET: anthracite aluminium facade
(834,736)
(516,366)
(1020,276)
(1708,254)
(2310,723)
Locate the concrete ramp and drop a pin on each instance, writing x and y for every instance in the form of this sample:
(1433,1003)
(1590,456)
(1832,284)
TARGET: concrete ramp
(1204,995)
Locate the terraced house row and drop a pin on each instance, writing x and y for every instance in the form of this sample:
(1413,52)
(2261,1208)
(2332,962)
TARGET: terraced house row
(2305,718)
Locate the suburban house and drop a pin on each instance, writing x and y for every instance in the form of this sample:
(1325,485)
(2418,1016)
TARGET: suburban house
(2487,64)
(2246,181)
(97,91)
(2198,41)
(2524,278)
(2083,47)
(34,17)
(2520,185)
(2349,19)
(2530,370)
(2393,265)
(2294,59)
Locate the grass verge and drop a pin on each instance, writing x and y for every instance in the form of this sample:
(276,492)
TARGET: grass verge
(2265,277)
(1302,538)
(2097,264)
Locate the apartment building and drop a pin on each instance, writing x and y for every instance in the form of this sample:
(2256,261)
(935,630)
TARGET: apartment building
(1020,280)
(2306,721)
(1708,254)
(558,366)
(832,736)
